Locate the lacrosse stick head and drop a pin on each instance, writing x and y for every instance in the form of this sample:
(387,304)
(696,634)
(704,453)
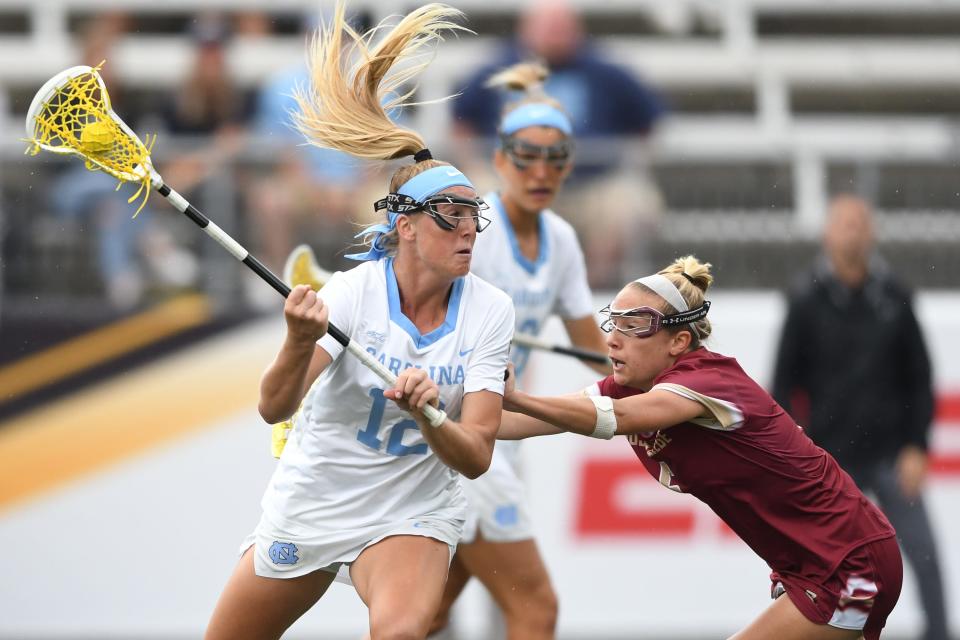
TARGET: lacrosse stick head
(71,114)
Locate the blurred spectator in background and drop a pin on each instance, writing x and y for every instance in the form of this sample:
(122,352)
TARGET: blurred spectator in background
(853,369)
(603,99)
(612,114)
(308,195)
(251,24)
(208,111)
(133,256)
(208,100)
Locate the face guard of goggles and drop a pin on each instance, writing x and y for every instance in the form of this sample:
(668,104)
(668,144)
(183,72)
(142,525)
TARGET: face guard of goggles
(523,154)
(446,210)
(643,322)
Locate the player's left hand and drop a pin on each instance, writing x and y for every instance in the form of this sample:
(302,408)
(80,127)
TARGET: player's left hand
(911,471)
(413,390)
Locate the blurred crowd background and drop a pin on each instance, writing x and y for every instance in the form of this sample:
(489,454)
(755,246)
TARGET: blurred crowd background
(715,127)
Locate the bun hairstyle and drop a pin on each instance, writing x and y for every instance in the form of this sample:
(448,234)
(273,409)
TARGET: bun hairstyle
(353,86)
(692,279)
(526,77)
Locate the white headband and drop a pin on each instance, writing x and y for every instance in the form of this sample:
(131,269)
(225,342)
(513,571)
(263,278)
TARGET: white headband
(662,286)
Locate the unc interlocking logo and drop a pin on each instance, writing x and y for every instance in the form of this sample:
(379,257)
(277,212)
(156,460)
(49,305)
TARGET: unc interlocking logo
(283,552)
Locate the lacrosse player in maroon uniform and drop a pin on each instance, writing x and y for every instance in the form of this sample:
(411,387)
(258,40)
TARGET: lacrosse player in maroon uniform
(700,425)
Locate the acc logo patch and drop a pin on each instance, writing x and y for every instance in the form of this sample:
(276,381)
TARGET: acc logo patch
(283,553)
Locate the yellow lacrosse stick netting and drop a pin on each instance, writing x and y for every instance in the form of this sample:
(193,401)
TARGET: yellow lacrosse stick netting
(71,114)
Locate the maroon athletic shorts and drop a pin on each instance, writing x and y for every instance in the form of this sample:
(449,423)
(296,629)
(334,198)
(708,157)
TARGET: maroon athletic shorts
(859,595)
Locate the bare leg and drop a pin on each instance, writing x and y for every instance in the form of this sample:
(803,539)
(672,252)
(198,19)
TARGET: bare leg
(457,579)
(516,577)
(783,621)
(263,608)
(401,579)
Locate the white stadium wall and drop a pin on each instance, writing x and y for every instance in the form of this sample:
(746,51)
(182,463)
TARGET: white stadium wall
(141,548)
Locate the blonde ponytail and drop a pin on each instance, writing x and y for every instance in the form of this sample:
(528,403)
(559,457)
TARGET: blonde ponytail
(346,108)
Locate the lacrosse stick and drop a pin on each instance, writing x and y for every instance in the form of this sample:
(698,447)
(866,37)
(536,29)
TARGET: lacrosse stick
(532,342)
(302,268)
(71,114)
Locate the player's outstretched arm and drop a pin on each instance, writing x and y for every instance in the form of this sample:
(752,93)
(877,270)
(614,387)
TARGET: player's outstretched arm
(299,360)
(581,414)
(516,426)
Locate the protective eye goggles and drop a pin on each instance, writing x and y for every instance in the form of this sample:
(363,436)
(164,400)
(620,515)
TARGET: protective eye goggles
(446,210)
(643,322)
(523,154)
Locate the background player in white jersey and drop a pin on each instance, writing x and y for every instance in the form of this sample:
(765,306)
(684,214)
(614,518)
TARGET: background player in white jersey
(533,255)
(364,480)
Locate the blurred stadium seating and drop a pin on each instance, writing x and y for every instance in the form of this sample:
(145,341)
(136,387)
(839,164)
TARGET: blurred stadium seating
(775,104)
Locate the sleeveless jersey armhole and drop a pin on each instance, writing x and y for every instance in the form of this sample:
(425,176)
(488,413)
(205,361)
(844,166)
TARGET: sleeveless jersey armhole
(725,416)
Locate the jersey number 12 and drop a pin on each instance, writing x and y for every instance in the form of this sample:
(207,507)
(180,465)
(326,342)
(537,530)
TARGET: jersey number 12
(370,435)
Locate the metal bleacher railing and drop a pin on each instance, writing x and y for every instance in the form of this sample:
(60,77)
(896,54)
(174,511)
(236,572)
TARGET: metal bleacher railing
(776,105)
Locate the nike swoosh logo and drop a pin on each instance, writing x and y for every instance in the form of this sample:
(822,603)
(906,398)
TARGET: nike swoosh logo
(466,351)
(453,173)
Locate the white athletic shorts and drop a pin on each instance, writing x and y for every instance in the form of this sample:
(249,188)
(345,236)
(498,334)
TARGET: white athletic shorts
(281,554)
(497,500)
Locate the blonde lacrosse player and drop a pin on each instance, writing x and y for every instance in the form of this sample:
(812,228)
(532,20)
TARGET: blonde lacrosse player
(700,425)
(532,254)
(364,482)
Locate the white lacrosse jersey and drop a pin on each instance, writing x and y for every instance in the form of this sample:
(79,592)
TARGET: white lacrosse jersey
(554,283)
(355,463)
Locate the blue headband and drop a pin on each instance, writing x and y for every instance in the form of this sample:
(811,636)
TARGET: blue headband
(419,187)
(433,181)
(535,114)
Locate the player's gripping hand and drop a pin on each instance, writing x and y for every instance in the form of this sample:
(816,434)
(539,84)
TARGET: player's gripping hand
(413,390)
(306,315)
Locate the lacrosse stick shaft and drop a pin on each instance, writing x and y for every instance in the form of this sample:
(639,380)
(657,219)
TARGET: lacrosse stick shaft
(524,340)
(435,416)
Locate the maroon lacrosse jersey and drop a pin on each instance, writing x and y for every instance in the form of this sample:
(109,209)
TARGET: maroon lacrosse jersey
(783,495)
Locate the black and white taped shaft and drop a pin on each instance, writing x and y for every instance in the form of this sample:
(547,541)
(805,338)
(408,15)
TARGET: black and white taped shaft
(532,342)
(435,416)
(223,238)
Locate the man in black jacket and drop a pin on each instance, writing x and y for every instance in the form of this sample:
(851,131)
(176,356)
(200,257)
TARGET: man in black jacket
(853,368)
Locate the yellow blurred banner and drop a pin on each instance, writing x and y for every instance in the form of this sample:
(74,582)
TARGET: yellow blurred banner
(105,424)
(104,344)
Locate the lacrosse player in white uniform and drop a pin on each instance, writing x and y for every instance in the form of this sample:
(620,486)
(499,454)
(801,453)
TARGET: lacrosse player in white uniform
(533,255)
(364,481)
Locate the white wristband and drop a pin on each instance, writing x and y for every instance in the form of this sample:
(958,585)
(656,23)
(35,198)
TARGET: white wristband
(606,418)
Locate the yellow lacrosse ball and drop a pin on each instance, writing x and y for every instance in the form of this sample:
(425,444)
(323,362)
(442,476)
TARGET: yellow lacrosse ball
(97,137)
